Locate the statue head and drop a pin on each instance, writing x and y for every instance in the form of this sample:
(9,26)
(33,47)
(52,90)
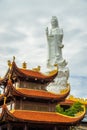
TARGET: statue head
(54,22)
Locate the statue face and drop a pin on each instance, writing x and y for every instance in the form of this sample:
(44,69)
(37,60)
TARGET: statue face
(54,22)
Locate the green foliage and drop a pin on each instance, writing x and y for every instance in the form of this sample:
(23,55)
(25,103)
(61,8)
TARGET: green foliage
(59,109)
(75,108)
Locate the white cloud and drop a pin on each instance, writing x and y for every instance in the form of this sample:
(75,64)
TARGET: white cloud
(78,86)
(22,32)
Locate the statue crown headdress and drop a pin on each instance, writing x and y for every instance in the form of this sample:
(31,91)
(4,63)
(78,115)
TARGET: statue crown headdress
(55,20)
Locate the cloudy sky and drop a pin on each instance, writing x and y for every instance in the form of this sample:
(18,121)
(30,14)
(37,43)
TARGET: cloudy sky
(22,34)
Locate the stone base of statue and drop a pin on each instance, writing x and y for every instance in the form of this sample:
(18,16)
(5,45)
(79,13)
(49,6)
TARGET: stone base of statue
(60,82)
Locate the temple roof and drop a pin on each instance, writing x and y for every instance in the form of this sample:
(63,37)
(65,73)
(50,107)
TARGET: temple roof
(67,102)
(37,74)
(43,94)
(45,117)
(39,117)
(32,93)
(71,99)
(31,75)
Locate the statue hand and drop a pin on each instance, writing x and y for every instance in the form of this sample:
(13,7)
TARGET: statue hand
(61,45)
(47,31)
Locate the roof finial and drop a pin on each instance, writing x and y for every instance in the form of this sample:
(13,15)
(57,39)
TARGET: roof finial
(37,68)
(24,65)
(5,100)
(9,76)
(56,65)
(9,63)
(13,58)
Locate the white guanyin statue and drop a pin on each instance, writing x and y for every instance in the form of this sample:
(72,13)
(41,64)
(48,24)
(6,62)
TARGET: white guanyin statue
(54,39)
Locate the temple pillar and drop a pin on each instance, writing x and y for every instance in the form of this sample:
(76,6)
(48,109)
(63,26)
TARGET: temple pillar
(55,128)
(20,104)
(25,127)
(9,127)
(0,128)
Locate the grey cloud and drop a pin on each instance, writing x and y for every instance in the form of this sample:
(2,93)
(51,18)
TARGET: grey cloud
(7,50)
(79,60)
(78,86)
(10,36)
(73,34)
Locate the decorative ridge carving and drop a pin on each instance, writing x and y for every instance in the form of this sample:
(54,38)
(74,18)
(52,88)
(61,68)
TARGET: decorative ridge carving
(6,115)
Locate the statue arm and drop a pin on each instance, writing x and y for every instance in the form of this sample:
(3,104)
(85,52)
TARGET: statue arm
(61,34)
(49,36)
(61,38)
(61,45)
(47,32)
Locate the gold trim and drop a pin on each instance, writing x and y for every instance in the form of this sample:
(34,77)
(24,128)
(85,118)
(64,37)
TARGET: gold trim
(81,100)
(5,98)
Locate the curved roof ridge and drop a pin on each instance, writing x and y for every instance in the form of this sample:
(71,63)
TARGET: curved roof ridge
(35,93)
(45,117)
